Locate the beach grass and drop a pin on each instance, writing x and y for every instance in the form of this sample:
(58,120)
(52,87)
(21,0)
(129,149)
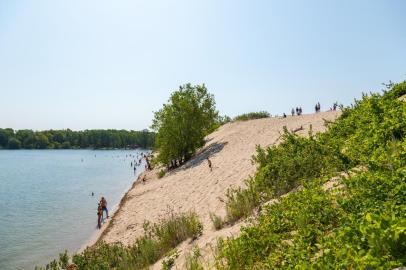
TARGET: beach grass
(158,240)
(251,116)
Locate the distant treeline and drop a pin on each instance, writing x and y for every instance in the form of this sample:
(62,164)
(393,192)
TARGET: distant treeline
(68,139)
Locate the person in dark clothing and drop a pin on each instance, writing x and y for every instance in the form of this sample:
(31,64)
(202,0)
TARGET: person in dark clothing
(103,204)
(209,163)
(99,215)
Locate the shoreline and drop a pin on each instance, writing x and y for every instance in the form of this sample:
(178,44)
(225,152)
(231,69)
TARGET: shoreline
(97,236)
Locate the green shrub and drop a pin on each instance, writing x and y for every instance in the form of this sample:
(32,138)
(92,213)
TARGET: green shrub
(193,260)
(218,222)
(161,174)
(241,202)
(362,226)
(251,116)
(169,261)
(278,172)
(158,239)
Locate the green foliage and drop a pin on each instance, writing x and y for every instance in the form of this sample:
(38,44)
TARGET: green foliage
(67,139)
(169,260)
(158,239)
(362,225)
(183,122)
(14,143)
(221,120)
(161,174)
(251,116)
(193,260)
(218,222)
(278,171)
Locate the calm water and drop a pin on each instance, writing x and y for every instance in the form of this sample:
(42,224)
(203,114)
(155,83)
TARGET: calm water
(46,204)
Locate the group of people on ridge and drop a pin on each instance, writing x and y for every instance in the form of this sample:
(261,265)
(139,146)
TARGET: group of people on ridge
(317,107)
(298,110)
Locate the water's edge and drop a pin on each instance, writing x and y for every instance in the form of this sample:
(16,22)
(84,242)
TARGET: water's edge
(98,235)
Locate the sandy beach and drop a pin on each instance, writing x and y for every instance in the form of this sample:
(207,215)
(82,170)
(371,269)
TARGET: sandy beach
(193,187)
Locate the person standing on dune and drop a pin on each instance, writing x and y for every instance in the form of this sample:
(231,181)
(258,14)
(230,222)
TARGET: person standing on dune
(209,162)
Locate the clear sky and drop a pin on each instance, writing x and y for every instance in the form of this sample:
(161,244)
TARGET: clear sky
(85,64)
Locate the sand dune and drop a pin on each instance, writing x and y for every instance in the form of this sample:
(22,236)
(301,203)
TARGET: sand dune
(193,187)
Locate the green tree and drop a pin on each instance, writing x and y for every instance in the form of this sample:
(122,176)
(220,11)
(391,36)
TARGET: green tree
(5,135)
(183,122)
(14,143)
(42,141)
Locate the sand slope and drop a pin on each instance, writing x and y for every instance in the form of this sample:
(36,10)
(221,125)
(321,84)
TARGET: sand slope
(193,187)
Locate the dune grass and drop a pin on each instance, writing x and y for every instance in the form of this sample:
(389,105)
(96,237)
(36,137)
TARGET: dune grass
(360,226)
(158,240)
(218,222)
(193,260)
(251,116)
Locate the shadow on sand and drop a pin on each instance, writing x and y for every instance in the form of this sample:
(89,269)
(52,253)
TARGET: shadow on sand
(202,155)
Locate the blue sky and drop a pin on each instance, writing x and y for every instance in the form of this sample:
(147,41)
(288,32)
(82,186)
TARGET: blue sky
(109,64)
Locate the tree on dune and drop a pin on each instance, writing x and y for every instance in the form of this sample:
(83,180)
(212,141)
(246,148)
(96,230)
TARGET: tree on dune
(183,122)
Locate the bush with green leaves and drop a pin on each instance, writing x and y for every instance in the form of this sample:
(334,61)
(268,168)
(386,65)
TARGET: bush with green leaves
(360,225)
(217,221)
(282,168)
(169,260)
(193,260)
(161,174)
(158,240)
(183,122)
(252,115)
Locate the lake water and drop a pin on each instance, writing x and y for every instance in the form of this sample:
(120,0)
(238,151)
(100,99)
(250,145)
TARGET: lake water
(46,205)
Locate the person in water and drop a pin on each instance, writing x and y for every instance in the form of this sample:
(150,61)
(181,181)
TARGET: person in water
(99,215)
(103,204)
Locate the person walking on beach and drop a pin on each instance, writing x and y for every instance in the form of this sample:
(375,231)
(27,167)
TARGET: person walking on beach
(99,215)
(293,111)
(209,162)
(103,204)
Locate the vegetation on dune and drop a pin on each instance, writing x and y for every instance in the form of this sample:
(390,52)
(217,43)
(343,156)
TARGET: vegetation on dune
(68,139)
(218,222)
(183,122)
(158,240)
(193,260)
(360,225)
(251,116)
